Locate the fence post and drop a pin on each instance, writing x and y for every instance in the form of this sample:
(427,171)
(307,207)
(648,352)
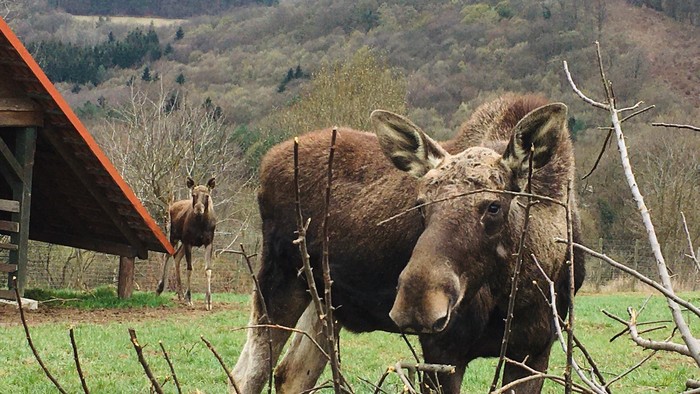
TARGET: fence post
(635,261)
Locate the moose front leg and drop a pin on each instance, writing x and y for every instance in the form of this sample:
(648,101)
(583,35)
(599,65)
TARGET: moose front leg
(163,284)
(188,258)
(207,270)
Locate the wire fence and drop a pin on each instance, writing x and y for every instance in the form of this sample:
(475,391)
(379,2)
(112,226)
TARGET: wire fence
(58,267)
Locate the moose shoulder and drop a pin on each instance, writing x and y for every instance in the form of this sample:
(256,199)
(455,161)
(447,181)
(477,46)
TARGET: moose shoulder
(442,271)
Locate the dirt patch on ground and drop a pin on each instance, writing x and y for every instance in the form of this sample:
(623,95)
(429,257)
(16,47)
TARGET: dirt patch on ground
(9,314)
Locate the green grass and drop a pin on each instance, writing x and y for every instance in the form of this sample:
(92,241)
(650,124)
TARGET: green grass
(101,297)
(111,365)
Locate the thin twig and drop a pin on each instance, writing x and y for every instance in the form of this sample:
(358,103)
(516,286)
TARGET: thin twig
(591,362)
(515,278)
(170,365)
(144,364)
(265,317)
(600,155)
(469,193)
(678,126)
(638,275)
(692,255)
(559,332)
(579,92)
(572,290)
(535,375)
(223,365)
(632,368)
(29,339)
(77,361)
(327,319)
(295,330)
(308,271)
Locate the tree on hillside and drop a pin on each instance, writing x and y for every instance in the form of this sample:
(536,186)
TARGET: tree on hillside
(340,94)
(155,149)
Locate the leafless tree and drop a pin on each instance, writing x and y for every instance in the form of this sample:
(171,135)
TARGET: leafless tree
(690,346)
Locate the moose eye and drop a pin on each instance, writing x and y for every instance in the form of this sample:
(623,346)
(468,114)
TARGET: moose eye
(494,207)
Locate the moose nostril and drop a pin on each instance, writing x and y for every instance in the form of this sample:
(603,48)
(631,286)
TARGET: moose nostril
(440,323)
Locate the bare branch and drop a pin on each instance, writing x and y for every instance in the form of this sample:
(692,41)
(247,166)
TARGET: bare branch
(580,93)
(144,364)
(515,278)
(77,361)
(692,255)
(572,288)
(459,195)
(328,321)
(553,306)
(296,330)
(265,316)
(536,375)
(600,155)
(29,339)
(692,343)
(631,369)
(172,368)
(223,365)
(678,126)
(670,295)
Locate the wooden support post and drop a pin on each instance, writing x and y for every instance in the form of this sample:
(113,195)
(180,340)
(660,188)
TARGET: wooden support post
(22,192)
(125,286)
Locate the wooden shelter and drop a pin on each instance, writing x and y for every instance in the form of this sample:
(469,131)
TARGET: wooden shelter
(56,184)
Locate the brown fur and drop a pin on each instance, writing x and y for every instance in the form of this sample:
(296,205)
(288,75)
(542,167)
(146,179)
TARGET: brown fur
(192,224)
(367,258)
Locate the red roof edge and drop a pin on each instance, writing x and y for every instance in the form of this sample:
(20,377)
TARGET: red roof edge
(80,128)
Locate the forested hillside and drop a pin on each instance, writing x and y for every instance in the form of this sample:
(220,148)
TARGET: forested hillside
(269,71)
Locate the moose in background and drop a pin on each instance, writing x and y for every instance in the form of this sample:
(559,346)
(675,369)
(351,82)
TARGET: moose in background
(192,224)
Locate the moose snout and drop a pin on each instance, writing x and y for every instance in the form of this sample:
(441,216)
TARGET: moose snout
(431,314)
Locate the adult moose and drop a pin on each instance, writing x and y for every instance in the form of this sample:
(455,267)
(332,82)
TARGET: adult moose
(192,224)
(451,261)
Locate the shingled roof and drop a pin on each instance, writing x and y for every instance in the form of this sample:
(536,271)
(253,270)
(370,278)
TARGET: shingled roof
(78,197)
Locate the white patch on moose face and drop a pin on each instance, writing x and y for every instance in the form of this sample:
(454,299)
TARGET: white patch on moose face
(501,251)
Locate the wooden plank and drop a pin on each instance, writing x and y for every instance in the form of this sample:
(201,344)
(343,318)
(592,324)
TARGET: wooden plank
(6,246)
(8,294)
(9,205)
(12,227)
(8,267)
(11,168)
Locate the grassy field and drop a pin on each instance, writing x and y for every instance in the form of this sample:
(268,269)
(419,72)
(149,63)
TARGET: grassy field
(110,362)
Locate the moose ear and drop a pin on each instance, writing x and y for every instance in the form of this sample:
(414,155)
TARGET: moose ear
(405,144)
(537,133)
(190,182)
(211,183)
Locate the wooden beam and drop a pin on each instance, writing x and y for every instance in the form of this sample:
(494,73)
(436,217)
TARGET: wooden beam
(10,227)
(20,112)
(12,170)
(7,268)
(108,207)
(6,246)
(9,206)
(81,242)
(25,148)
(125,286)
